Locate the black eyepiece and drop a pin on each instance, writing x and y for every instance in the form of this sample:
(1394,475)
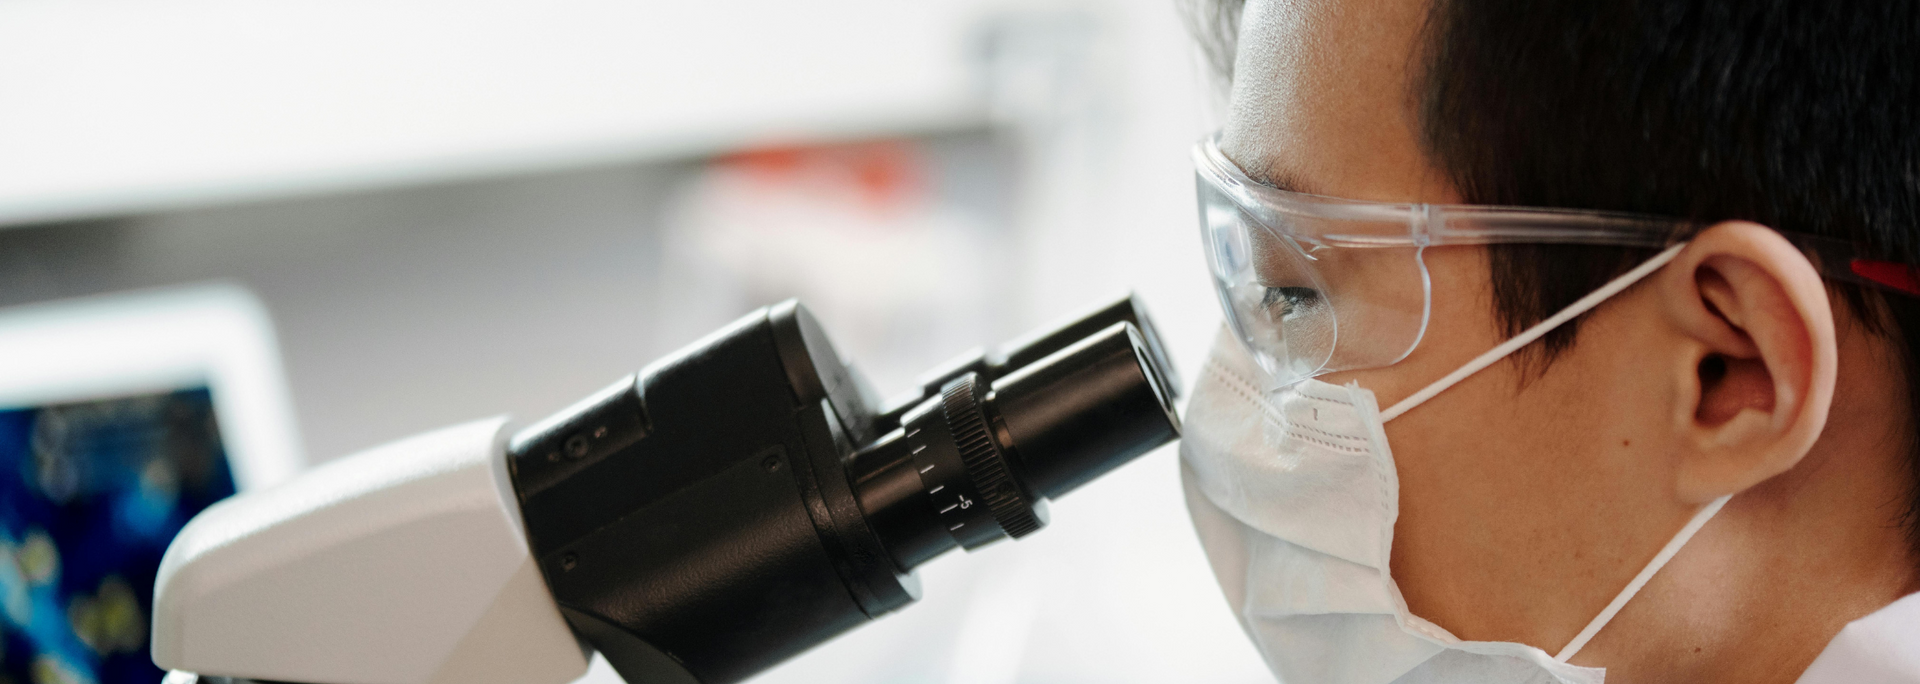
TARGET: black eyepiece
(749,497)
(991,365)
(1085,410)
(984,459)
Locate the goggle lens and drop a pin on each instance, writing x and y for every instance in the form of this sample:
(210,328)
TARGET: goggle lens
(1305,306)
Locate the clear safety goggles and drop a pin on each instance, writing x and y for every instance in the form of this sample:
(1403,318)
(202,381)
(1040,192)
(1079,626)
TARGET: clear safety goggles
(1314,285)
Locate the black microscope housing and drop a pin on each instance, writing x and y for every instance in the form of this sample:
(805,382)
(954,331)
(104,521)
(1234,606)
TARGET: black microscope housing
(750,496)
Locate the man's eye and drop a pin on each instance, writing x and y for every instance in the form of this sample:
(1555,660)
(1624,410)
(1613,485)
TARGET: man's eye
(1287,301)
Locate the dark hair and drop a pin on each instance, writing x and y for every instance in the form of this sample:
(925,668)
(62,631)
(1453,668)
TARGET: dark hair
(1801,115)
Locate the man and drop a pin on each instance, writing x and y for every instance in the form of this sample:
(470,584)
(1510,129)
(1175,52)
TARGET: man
(1666,435)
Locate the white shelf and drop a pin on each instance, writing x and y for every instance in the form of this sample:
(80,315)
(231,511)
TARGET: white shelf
(117,106)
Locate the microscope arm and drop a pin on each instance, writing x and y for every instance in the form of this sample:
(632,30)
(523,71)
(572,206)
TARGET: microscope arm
(410,556)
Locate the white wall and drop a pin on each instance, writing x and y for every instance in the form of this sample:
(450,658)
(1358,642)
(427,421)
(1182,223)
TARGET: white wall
(508,285)
(131,107)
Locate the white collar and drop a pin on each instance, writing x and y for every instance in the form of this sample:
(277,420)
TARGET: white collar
(1881,647)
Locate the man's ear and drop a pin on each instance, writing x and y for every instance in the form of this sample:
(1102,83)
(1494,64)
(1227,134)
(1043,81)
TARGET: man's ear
(1758,357)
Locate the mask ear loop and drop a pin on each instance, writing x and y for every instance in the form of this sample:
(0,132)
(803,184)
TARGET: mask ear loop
(1508,347)
(1659,561)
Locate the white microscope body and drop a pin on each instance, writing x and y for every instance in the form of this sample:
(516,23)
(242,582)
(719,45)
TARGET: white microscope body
(404,564)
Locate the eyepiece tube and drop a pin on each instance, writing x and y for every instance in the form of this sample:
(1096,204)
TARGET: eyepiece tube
(991,365)
(1080,326)
(978,463)
(1084,410)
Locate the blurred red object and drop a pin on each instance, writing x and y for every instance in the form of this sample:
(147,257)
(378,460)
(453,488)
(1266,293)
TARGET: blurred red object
(882,175)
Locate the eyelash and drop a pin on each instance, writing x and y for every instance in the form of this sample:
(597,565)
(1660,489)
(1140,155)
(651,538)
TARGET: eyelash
(1290,299)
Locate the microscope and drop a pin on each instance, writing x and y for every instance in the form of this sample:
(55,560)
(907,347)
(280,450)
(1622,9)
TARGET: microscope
(728,507)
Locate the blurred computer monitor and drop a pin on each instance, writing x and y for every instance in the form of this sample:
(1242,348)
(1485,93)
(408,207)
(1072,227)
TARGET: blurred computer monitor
(121,417)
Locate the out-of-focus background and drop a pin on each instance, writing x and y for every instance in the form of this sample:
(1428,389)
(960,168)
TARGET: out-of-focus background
(453,209)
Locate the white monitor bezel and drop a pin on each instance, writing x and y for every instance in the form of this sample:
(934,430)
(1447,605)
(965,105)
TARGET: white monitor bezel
(213,335)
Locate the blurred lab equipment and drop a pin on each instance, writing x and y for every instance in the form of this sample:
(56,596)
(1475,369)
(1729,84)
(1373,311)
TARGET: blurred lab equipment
(120,418)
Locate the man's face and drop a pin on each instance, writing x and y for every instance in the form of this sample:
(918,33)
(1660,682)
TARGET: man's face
(1522,511)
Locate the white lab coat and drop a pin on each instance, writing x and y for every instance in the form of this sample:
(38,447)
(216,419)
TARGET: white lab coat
(1880,648)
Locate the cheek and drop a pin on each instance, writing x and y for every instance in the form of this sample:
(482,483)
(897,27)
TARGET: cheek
(1480,465)
(1516,488)
(1495,489)
(1472,463)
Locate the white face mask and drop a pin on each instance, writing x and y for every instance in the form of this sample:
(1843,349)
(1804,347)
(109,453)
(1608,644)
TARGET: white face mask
(1294,494)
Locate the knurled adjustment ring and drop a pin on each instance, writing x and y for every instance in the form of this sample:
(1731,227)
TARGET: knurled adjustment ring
(986,464)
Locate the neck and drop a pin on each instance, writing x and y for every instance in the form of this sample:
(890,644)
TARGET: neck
(1764,587)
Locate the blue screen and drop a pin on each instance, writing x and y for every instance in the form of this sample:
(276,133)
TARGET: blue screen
(90,495)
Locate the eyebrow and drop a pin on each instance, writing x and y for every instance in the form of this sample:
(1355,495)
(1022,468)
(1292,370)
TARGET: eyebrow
(1283,179)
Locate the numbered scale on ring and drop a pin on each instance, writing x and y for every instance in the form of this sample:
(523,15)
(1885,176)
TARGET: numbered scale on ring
(964,470)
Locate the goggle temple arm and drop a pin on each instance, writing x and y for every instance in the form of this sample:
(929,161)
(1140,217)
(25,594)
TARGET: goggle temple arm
(1840,260)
